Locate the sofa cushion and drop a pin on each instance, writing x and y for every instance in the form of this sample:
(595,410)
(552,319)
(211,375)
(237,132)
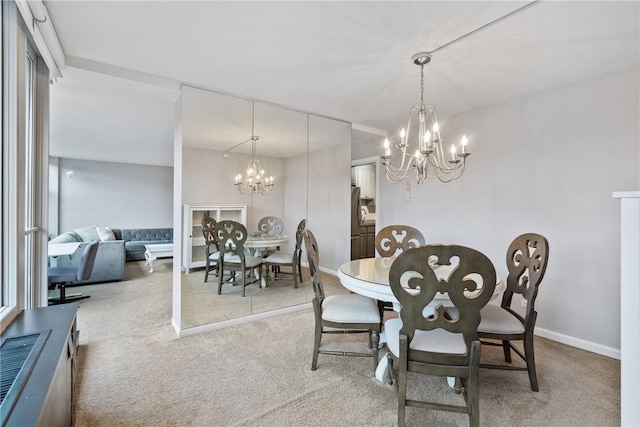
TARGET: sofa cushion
(88,234)
(105,234)
(147,234)
(66,237)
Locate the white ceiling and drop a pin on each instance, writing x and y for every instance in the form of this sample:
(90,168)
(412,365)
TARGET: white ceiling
(347,60)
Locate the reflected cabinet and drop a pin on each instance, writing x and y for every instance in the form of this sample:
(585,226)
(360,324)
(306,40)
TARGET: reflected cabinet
(193,254)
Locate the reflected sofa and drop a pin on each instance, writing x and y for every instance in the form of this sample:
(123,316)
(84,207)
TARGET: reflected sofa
(116,246)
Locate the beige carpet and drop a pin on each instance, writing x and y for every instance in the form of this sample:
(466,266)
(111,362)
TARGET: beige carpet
(133,371)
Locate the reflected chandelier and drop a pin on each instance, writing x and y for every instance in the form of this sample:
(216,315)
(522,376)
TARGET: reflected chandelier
(429,149)
(254,180)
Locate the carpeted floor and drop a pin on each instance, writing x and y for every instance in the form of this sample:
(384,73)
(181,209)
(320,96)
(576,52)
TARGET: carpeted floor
(133,371)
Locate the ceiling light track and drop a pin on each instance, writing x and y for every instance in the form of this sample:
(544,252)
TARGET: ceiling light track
(487,25)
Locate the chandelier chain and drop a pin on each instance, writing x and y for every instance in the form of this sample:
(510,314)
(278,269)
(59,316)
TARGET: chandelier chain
(421,84)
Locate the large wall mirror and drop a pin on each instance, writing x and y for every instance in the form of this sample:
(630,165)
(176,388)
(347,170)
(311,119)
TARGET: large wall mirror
(305,155)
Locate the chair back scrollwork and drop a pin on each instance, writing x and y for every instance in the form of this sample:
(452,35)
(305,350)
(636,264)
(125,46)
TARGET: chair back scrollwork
(271,226)
(398,238)
(465,275)
(527,258)
(231,236)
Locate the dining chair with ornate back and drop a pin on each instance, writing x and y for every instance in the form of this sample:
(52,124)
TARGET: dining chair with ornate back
(393,240)
(271,225)
(341,314)
(527,258)
(231,236)
(280,259)
(211,246)
(431,340)
(61,277)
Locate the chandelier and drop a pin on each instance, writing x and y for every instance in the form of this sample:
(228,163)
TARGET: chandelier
(429,158)
(254,180)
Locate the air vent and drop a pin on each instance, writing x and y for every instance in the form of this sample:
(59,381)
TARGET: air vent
(19,355)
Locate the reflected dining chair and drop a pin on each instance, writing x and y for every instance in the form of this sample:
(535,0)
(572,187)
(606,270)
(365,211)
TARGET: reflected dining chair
(393,240)
(340,314)
(527,258)
(279,259)
(271,226)
(231,236)
(61,277)
(211,246)
(438,343)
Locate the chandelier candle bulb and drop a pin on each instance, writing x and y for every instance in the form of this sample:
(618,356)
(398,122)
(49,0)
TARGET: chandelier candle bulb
(387,150)
(463,142)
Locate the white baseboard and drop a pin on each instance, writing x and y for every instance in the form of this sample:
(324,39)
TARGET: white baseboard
(579,343)
(241,320)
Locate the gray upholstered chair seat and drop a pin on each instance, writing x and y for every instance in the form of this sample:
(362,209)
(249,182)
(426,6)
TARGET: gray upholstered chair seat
(497,320)
(250,261)
(278,258)
(350,308)
(62,274)
(435,341)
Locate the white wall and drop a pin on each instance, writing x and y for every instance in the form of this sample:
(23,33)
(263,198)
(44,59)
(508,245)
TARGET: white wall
(207,179)
(117,195)
(544,163)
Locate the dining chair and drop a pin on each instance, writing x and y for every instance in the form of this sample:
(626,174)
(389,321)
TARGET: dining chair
(61,277)
(393,240)
(212,253)
(340,314)
(429,340)
(527,258)
(279,259)
(231,236)
(271,225)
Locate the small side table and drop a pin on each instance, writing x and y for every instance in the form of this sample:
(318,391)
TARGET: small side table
(153,252)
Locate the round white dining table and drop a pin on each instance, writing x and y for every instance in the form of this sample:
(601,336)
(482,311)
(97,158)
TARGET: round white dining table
(258,244)
(264,241)
(370,277)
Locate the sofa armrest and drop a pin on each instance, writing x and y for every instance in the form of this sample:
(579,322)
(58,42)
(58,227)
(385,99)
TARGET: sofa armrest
(109,263)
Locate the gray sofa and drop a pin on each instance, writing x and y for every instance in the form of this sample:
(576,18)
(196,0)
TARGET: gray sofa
(136,238)
(112,254)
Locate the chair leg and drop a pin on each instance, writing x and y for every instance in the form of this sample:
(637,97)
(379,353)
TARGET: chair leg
(376,348)
(506,348)
(294,273)
(316,344)
(472,386)
(244,282)
(531,361)
(220,274)
(300,272)
(402,380)
(392,374)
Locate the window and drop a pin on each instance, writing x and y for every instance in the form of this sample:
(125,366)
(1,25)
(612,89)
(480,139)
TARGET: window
(24,110)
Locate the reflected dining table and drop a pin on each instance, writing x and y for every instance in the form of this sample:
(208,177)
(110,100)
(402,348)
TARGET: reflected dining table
(370,277)
(258,244)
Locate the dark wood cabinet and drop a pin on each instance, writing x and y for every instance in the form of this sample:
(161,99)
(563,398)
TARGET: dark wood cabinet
(46,396)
